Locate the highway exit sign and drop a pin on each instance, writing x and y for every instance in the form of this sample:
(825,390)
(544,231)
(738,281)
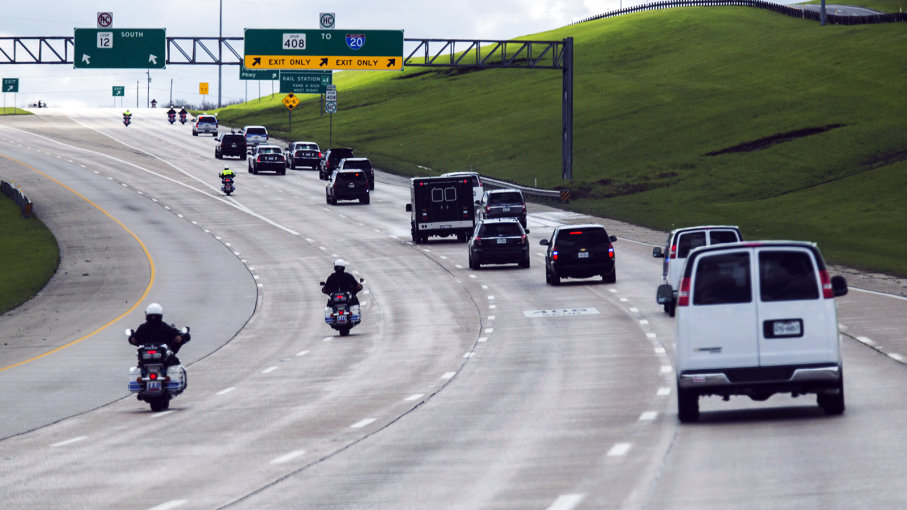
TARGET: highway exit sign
(119,48)
(119,90)
(10,84)
(297,49)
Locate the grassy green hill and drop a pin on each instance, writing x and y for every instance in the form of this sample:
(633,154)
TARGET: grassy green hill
(682,116)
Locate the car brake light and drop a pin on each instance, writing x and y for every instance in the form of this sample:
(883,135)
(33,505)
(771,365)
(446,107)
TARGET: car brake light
(827,291)
(524,239)
(554,253)
(683,297)
(610,251)
(674,251)
(478,241)
(524,207)
(578,232)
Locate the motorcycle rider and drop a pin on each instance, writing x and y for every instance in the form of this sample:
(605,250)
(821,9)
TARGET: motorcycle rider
(341,281)
(154,331)
(171,113)
(127,114)
(183,113)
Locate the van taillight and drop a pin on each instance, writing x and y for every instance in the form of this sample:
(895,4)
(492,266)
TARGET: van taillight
(674,251)
(827,291)
(683,297)
(478,241)
(554,253)
(610,251)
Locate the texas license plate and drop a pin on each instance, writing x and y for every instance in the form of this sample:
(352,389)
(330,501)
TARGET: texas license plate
(506,209)
(502,240)
(341,319)
(787,328)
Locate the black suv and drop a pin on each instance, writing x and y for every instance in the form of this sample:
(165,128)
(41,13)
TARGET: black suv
(504,203)
(331,159)
(359,164)
(579,251)
(233,144)
(499,241)
(347,185)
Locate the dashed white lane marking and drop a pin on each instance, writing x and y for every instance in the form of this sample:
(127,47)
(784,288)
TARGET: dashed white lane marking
(651,335)
(633,309)
(288,457)
(566,502)
(302,353)
(612,291)
(415,397)
(659,350)
(491,298)
(491,317)
(484,287)
(623,300)
(158,415)
(225,390)
(619,449)
(363,423)
(866,340)
(664,391)
(472,276)
(648,416)
(448,375)
(269,370)
(458,266)
(489,330)
(170,504)
(328,339)
(643,322)
(492,307)
(69,441)
(483,338)
(666,369)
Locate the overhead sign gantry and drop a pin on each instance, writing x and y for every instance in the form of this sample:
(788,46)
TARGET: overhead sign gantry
(376,50)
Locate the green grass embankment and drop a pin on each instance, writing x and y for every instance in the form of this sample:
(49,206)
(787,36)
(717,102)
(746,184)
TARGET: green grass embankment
(29,256)
(682,116)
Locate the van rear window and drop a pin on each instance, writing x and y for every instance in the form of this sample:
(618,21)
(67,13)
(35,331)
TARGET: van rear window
(722,279)
(787,276)
(581,237)
(723,236)
(689,241)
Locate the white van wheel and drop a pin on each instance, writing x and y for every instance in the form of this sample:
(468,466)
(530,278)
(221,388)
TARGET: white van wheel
(687,405)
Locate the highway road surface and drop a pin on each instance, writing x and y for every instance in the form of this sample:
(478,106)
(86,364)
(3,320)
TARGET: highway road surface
(461,389)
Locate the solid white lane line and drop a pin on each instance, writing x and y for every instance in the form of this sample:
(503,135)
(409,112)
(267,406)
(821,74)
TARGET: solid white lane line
(170,504)
(288,457)
(895,356)
(648,416)
(566,502)
(226,390)
(269,370)
(866,340)
(411,398)
(619,449)
(302,353)
(69,441)
(363,423)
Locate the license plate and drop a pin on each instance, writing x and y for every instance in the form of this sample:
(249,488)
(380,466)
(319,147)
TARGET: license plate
(583,255)
(341,319)
(502,240)
(154,386)
(787,328)
(506,209)
(351,185)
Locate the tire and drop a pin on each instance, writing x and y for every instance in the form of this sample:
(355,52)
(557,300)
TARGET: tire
(283,172)
(160,404)
(291,165)
(525,262)
(687,405)
(610,278)
(552,278)
(194,133)
(833,404)
(242,157)
(217,155)
(344,331)
(473,264)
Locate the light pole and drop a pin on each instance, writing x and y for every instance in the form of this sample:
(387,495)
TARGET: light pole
(220,55)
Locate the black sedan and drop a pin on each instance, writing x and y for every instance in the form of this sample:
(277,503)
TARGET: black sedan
(499,241)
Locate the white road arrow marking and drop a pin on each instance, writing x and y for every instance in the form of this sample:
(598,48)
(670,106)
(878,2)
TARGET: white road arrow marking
(86,59)
(152,59)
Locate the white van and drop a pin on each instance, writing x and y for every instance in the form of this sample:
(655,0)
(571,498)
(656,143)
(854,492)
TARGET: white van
(677,248)
(755,319)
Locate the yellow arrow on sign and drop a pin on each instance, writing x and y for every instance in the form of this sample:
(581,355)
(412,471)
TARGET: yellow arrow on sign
(323,62)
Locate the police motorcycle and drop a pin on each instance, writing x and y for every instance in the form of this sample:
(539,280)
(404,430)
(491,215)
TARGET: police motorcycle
(171,117)
(156,379)
(340,314)
(182,117)
(127,119)
(227,186)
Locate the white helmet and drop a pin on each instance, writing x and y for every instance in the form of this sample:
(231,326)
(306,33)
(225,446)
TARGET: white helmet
(339,263)
(154,309)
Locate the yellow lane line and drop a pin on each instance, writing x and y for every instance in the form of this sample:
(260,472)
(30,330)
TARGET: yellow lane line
(144,249)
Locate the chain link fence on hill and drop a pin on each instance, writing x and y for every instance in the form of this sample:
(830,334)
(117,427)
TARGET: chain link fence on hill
(793,11)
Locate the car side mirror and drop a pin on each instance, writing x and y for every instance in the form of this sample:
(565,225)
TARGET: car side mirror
(613,239)
(658,253)
(409,207)
(664,295)
(527,231)
(361,280)
(543,242)
(321,283)
(838,286)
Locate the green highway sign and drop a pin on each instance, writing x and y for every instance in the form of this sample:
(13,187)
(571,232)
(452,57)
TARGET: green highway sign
(119,48)
(10,84)
(258,74)
(119,90)
(304,82)
(323,49)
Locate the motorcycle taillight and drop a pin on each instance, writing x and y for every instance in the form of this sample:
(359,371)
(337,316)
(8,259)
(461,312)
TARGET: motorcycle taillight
(152,376)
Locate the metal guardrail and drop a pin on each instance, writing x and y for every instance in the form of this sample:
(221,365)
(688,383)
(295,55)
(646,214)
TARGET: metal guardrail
(15,194)
(549,194)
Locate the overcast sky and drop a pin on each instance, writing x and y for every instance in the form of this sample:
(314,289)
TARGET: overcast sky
(61,85)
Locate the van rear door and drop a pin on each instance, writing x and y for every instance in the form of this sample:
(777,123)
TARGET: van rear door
(793,315)
(720,319)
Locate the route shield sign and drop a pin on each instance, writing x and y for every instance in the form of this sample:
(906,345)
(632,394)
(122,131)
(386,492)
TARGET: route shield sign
(305,82)
(10,84)
(119,48)
(378,50)
(119,90)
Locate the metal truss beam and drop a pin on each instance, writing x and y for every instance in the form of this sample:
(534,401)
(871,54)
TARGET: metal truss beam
(485,54)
